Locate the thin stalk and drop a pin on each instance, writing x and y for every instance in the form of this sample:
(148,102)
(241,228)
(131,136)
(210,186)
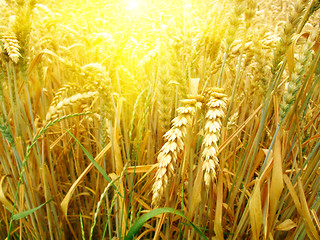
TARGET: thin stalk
(236,79)
(146,110)
(223,65)
(270,148)
(274,84)
(25,78)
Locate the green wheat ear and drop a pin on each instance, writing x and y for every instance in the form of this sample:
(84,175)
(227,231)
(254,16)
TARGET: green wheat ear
(295,80)
(6,132)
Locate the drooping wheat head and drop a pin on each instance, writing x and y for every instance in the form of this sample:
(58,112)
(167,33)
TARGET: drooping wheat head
(65,90)
(168,155)
(79,98)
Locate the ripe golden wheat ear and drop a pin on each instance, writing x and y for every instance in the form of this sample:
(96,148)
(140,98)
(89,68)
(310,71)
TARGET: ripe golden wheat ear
(167,158)
(55,109)
(215,112)
(11,46)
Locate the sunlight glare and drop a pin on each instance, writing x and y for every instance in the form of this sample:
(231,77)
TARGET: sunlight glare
(133,4)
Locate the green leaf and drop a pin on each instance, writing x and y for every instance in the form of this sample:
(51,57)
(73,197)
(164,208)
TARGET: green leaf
(94,162)
(139,223)
(28,212)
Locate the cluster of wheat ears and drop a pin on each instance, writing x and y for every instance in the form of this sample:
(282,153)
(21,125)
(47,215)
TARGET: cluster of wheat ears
(187,119)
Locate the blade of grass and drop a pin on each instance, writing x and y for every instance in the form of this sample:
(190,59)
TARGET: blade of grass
(94,162)
(311,230)
(82,230)
(139,223)
(18,216)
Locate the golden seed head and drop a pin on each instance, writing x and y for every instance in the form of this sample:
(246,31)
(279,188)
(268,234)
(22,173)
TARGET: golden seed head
(11,46)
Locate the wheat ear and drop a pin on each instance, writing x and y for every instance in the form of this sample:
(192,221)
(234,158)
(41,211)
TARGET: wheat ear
(54,110)
(168,154)
(216,106)
(11,45)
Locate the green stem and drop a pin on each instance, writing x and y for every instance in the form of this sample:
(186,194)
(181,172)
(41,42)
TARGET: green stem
(223,65)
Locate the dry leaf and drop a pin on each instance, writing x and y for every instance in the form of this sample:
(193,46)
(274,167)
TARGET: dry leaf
(65,202)
(311,230)
(142,168)
(276,182)
(255,211)
(3,198)
(196,193)
(292,192)
(286,225)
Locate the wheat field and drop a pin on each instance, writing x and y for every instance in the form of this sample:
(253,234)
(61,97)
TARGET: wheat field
(145,119)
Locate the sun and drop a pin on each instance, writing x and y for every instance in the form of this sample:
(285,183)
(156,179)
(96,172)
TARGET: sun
(133,4)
